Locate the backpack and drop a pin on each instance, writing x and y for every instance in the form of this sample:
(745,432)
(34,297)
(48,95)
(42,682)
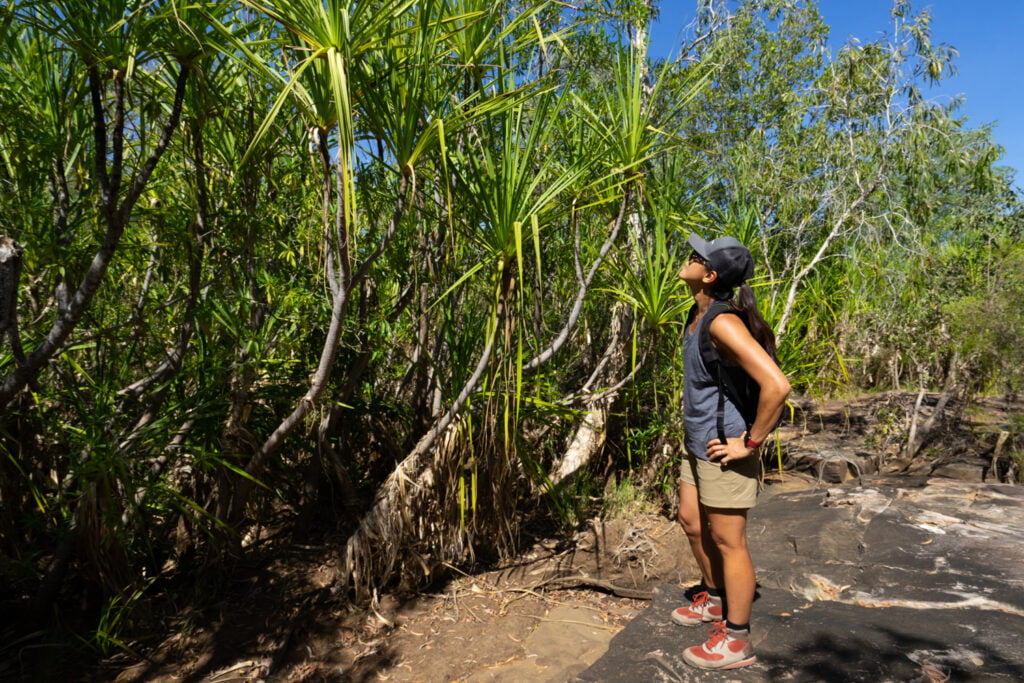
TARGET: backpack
(733,381)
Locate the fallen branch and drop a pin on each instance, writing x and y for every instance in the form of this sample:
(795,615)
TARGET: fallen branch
(583,581)
(926,432)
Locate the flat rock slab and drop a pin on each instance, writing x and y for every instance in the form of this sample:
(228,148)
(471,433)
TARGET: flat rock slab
(555,648)
(894,580)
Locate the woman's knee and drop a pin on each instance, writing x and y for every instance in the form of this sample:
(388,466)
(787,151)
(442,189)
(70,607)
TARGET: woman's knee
(689,515)
(691,523)
(728,533)
(729,543)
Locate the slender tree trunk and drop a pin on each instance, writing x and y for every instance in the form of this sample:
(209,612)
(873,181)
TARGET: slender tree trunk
(10,276)
(366,560)
(577,307)
(837,225)
(342,282)
(591,434)
(116,211)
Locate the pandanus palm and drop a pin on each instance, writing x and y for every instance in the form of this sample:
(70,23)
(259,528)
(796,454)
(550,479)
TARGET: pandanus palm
(118,44)
(362,71)
(625,118)
(107,117)
(332,37)
(514,190)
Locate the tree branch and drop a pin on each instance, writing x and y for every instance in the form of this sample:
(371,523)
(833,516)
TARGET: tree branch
(798,278)
(165,138)
(66,320)
(577,307)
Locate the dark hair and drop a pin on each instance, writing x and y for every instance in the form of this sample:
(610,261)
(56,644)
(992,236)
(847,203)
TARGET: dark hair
(746,303)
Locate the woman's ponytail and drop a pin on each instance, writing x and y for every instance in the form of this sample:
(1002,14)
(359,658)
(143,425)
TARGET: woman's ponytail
(760,330)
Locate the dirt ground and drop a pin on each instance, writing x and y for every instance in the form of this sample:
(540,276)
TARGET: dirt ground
(546,617)
(512,624)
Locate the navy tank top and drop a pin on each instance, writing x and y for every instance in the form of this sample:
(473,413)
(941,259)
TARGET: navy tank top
(700,399)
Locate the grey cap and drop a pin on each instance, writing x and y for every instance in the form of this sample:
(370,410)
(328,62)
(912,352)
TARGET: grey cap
(726,256)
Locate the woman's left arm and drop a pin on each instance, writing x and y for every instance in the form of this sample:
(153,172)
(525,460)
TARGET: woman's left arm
(735,343)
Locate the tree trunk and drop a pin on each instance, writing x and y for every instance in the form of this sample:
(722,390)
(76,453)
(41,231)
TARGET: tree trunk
(10,275)
(116,210)
(590,436)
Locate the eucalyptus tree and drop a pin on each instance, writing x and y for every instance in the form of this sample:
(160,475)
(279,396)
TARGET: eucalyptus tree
(934,178)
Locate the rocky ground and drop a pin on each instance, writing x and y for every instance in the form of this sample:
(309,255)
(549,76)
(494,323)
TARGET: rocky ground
(872,566)
(899,579)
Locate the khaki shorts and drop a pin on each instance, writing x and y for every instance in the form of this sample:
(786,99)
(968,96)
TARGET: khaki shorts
(733,486)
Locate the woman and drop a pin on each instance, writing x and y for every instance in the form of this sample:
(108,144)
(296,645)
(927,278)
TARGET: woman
(719,480)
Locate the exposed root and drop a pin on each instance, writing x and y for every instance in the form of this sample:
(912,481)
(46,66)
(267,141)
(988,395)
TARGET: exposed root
(636,545)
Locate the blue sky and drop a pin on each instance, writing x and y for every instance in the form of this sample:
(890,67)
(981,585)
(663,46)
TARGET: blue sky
(988,35)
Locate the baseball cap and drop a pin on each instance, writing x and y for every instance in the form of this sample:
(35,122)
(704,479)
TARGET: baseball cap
(726,256)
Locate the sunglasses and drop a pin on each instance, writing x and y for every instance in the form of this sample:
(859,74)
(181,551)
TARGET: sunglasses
(695,257)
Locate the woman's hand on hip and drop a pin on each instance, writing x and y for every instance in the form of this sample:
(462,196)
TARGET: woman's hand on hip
(733,449)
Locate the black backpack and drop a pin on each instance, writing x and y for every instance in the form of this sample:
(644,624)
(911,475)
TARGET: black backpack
(733,380)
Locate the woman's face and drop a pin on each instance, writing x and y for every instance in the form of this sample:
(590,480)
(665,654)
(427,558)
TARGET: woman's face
(695,269)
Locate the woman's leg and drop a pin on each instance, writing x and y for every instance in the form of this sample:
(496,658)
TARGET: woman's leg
(695,525)
(729,534)
(728,645)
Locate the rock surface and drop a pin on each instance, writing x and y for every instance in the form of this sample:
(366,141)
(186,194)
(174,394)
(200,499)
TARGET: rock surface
(899,579)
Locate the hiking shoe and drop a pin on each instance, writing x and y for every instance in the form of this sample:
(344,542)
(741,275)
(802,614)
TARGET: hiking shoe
(725,649)
(704,608)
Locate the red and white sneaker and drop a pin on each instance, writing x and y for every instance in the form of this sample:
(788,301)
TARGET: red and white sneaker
(703,609)
(725,649)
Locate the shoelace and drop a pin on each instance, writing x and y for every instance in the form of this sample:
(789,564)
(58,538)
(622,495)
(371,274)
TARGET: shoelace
(701,599)
(717,634)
